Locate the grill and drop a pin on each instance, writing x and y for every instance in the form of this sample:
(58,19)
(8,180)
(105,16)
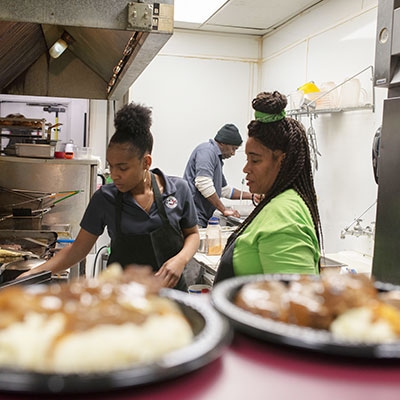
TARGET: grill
(32,248)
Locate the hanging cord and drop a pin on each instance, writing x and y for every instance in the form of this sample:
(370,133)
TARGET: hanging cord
(95,269)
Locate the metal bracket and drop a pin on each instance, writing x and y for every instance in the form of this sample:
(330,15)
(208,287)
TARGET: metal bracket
(140,16)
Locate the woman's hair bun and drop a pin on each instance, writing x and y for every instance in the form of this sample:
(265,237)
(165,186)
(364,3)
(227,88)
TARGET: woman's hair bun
(270,102)
(131,116)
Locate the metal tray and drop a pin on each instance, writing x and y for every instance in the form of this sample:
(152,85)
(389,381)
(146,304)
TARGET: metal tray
(316,340)
(34,150)
(39,277)
(212,334)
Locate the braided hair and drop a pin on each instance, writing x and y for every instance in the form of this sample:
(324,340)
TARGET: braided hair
(132,126)
(289,136)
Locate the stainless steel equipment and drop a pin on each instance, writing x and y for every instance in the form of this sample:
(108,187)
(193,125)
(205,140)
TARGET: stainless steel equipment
(387,49)
(386,261)
(107,45)
(34,248)
(76,180)
(39,277)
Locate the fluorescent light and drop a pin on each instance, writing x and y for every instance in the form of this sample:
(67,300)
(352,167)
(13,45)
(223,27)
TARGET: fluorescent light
(196,10)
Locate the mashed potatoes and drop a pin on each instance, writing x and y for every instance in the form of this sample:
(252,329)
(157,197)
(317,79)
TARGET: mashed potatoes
(90,325)
(359,325)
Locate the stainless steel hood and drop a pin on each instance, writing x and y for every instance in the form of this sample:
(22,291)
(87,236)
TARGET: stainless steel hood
(110,43)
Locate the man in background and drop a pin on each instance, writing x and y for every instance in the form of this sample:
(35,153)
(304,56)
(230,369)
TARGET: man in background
(204,173)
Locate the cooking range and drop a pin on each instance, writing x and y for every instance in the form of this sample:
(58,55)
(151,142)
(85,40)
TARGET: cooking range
(22,250)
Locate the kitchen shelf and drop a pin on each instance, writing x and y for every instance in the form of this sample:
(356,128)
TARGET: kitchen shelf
(310,109)
(23,130)
(329,110)
(24,125)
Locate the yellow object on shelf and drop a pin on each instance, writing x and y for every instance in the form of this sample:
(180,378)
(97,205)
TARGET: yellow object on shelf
(309,87)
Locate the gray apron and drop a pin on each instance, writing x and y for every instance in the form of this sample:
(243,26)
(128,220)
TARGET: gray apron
(152,248)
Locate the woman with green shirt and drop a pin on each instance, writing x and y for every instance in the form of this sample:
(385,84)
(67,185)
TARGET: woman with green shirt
(282,234)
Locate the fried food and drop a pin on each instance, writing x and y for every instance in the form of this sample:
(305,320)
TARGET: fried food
(348,305)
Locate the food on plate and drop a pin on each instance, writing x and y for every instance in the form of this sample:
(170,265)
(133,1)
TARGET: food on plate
(345,291)
(305,304)
(263,298)
(373,323)
(90,325)
(348,305)
(9,254)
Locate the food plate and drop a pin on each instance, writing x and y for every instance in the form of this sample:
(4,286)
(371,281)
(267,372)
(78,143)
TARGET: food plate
(212,333)
(292,335)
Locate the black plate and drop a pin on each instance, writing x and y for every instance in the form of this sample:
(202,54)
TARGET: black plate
(212,334)
(293,335)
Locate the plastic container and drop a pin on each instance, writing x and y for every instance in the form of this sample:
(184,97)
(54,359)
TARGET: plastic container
(214,237)
(203,241)
(309,87)
(83,153)
(199,289)
(352,95)
(69,150)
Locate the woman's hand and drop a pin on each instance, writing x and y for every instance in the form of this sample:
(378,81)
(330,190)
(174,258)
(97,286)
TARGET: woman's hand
(171,271)
(173,268)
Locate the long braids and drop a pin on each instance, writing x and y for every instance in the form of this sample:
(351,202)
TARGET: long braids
(288,135)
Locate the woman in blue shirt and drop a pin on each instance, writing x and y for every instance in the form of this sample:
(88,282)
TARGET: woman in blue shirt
(150,217)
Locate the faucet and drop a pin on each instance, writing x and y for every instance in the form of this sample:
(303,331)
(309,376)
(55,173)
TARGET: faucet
(357,230)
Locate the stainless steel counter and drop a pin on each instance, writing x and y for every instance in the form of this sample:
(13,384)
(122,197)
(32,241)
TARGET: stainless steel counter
(350,264)
(209,264)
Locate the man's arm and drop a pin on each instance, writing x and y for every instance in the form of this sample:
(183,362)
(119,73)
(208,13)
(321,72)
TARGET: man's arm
(206,187)
(238,194)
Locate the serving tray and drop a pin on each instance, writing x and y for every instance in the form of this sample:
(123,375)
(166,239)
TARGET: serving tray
(271,331)
(212,333)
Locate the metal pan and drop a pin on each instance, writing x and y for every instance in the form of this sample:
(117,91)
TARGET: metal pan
(11,270)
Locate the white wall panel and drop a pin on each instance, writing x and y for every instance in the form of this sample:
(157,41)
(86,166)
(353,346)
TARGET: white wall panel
(286,72)
(216,45)
(320,19)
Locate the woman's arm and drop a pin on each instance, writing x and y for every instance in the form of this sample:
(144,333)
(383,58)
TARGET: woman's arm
(69,255)
(172,269)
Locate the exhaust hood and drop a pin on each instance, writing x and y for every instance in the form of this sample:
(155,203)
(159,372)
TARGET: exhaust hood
(107,43)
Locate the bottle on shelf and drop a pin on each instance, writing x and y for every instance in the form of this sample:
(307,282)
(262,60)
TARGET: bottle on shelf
(214,237)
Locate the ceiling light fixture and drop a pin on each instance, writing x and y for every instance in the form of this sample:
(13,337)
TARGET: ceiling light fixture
(196,11)
(60,45)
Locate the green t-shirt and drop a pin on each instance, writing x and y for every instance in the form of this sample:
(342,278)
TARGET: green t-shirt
(281,239)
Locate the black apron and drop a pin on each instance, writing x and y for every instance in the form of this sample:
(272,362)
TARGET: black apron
(225,267)
(152,248)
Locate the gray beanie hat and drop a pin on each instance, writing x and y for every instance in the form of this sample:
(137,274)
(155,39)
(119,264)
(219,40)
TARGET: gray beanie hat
(229,134)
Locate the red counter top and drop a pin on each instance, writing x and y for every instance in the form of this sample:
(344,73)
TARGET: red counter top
(251,369)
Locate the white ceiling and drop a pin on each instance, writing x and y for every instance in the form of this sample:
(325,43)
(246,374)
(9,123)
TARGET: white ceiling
(252,17)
